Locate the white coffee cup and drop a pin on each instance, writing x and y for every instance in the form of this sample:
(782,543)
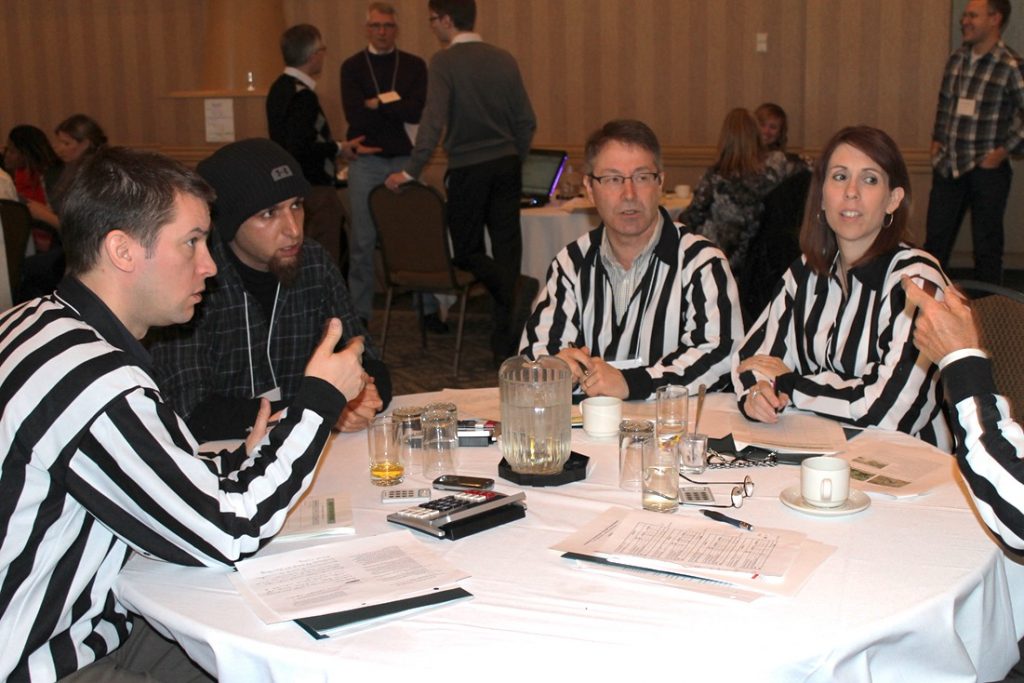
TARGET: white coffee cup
(682,191)
(601,416)
(825,481)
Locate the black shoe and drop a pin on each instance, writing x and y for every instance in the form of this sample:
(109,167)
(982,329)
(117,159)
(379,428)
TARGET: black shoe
(433,323)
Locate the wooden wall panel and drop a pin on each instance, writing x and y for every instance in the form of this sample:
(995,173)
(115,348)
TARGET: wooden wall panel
(678,64)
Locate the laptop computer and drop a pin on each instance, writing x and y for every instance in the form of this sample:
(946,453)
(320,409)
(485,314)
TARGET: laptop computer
(541,171)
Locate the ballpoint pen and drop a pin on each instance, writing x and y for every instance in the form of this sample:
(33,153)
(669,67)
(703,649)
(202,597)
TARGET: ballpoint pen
(719,517)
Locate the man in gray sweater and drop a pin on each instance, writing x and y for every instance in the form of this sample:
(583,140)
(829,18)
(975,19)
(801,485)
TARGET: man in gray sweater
(476,96)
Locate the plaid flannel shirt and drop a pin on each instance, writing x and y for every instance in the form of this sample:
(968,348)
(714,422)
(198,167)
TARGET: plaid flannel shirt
(996,83)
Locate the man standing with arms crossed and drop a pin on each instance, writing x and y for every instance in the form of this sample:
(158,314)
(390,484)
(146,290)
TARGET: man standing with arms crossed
(978,124)
(383,90)
(477,98)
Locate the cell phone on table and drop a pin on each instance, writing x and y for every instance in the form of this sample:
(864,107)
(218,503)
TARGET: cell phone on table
(459,482)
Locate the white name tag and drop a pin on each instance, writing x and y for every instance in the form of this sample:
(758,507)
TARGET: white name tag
(272,394)
(965,106)
(389,97)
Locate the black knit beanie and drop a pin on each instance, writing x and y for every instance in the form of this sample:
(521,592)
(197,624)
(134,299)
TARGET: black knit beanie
(249,176)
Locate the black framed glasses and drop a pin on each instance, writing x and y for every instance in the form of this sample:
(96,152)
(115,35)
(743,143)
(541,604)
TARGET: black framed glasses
(639,179)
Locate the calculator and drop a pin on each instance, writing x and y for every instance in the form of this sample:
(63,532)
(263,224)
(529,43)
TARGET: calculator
(463,513)
(695,495)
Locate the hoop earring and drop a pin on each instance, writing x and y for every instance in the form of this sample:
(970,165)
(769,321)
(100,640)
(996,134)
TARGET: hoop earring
(891,217)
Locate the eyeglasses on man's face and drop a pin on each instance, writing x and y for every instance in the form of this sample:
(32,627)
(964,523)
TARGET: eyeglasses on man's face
(639,179)
(386,26)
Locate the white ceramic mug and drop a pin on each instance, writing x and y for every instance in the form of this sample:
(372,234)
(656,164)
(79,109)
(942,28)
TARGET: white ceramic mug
(825,481)
(601,416)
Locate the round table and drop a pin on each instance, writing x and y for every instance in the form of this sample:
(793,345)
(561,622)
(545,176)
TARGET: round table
(916,590)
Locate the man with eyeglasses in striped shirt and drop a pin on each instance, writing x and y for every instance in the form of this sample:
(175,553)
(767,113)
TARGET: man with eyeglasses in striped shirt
(636,303)
(94,464)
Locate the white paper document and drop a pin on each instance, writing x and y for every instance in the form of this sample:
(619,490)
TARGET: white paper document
(793,433)
(334,577)
(765,561)
(314,516)
(899,471)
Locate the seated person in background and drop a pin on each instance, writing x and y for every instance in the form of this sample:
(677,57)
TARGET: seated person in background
(96,465)
(266,307)
(36,170)
(77,136)
(637,302)
(728,200)
(989,443)
(835,339)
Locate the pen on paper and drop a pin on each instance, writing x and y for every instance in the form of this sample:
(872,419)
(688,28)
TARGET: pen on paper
(719,517)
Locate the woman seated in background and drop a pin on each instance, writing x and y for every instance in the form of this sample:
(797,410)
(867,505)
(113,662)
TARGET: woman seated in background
(836,338)
(728,200)
(36,169)
(78,136)
(773,126)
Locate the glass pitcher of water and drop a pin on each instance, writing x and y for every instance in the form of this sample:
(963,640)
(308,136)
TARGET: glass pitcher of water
(536,400)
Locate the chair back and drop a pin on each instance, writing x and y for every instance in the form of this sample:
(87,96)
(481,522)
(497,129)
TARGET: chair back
(776,245)
(999,312)
(17,226)
(413,233)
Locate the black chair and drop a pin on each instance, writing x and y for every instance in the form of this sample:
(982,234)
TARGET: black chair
(17,226)
(776,245)
(412,233)
(999,312)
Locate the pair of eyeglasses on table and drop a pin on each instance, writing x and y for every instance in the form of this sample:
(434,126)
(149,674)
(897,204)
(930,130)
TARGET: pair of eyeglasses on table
(740,490)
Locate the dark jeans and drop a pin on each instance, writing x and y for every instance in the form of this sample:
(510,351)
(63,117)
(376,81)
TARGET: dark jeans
(983,190)
(488,194)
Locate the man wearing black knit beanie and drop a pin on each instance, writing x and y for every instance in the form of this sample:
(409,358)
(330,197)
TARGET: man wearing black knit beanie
(264,310)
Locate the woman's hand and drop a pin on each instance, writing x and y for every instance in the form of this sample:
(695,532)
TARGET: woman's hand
(763,404)
(767,366)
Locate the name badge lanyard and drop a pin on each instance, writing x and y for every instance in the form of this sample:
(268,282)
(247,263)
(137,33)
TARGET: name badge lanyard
(270,334)
(394,76)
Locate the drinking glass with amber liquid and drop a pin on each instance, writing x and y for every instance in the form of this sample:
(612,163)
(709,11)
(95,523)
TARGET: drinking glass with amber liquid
(386,462)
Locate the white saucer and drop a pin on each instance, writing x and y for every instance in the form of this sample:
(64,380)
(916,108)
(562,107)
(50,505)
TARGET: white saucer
(857,501)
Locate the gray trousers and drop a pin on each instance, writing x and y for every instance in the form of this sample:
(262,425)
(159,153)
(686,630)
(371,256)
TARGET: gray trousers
(145,656)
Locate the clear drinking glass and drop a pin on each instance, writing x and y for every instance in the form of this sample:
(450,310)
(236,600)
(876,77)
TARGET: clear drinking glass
(673,407)
(635,437)
(661,477)
(440,439)
(693,454)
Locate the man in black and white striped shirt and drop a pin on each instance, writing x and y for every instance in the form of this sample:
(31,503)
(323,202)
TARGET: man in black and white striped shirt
(93,463)
(636,303)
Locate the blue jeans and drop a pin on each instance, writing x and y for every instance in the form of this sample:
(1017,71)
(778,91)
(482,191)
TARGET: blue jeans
(364,174)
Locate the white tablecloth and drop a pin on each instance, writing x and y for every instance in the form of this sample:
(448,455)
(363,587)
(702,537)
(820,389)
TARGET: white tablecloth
(547,229)
(916,591)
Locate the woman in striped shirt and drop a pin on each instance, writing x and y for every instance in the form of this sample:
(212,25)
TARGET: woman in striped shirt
(836,337)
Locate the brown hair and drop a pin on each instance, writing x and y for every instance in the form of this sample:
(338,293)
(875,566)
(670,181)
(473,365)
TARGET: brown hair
(626,131)
(739,145)
(817,240)
(770,110)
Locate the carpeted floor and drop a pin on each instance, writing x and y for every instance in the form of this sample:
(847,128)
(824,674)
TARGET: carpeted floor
(415,369)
